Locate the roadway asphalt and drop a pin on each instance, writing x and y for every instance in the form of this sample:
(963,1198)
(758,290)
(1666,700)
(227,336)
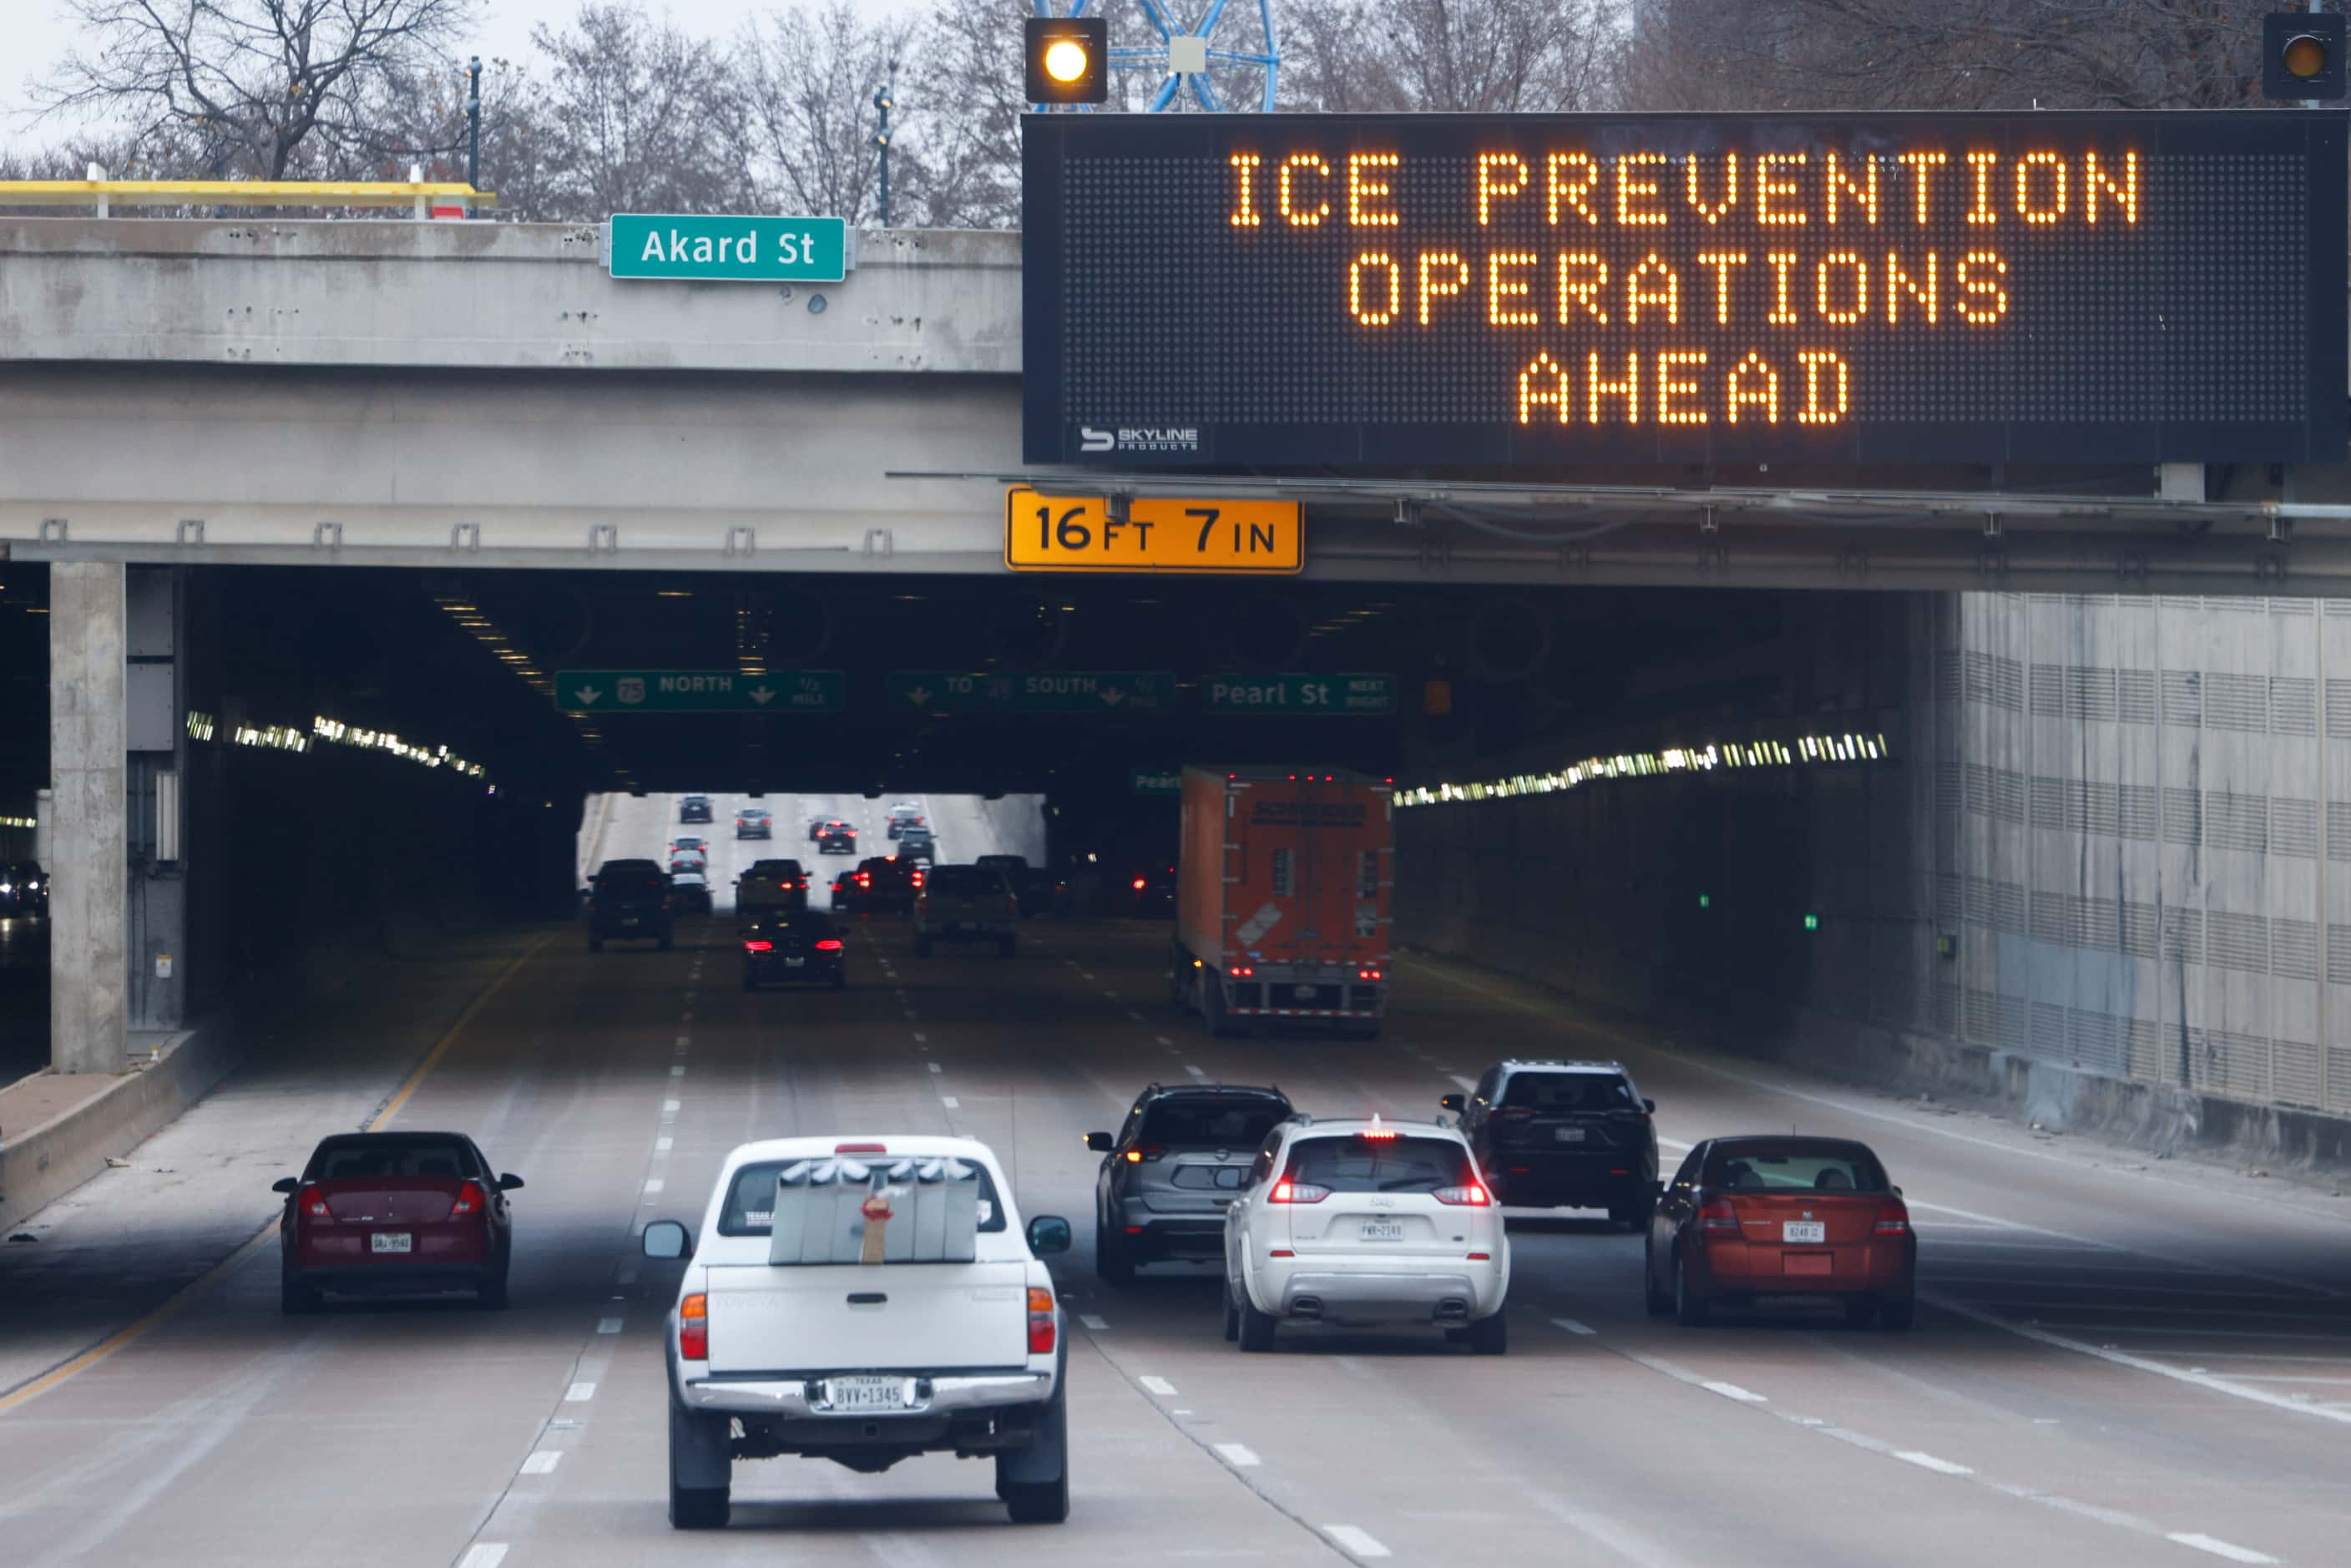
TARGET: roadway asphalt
(2120,1362)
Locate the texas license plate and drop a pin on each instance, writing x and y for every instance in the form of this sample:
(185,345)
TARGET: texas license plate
(392,1242)
(794,963)
(1568,1135)
(869,1393)
(1383,1230)
(1812,1231)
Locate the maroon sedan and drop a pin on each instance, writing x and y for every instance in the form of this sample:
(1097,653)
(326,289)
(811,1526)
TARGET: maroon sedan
(1769,1218)
(395,1214)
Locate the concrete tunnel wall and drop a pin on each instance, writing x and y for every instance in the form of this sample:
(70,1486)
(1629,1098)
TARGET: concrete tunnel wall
(2095,876)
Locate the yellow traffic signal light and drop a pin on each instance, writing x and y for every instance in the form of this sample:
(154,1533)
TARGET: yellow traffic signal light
(2301,55)
(1068,60)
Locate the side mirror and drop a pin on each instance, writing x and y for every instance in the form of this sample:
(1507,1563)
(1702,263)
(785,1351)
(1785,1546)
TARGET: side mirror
(1649,1105)
(1099,1143)
(667,1239)
(1453,1103)
(509,1181)
(289,1186)
(1047,1234)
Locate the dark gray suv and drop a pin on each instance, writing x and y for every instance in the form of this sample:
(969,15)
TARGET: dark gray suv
(1169,1171)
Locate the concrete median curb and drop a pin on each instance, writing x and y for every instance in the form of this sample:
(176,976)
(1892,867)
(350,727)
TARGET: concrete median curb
(44,1163)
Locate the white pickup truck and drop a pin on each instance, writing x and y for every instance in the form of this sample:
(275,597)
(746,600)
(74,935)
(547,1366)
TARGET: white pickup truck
(864,1300)
(967,904)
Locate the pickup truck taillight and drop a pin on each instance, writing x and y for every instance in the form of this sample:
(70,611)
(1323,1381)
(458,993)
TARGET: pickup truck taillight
(694,1328)
(1040,1321)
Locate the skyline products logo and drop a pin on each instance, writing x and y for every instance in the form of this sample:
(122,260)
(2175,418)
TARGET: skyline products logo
(1139,438)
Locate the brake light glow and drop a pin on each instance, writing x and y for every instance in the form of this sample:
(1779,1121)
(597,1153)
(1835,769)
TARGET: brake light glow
(1134,1157)
(830,945)
(1281,1252)
(694,1328)
(758,946)
(1481,1258)
(1718,1219)
(313,1203)
(1297,1192)
(1244,971)
(1367,974)
(471,1199)
(866,879)
(1893,1219)
(1469,1196)
(1383,1134)
(1140,884)
(1040,1321)
(861,1148)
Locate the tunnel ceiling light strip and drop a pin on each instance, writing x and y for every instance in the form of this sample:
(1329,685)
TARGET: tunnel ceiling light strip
(18,822)
(1735,755)
(341,733)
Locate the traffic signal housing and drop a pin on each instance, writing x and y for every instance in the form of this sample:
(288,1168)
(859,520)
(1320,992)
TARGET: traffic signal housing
(2301,55)
(1068,59)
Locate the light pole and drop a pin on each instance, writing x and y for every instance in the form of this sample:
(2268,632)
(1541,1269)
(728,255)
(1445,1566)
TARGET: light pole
(473,123)
(881,97)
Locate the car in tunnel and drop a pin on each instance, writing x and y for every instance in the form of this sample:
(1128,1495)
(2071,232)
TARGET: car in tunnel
(754,822)
(689,890)
(1770,1217)
(1564,1135)
(1366,1223)
(1166,1175)
(905,814)
(693,809)
(1149,893)
(964,903)
(772,885)
(864,1300)
(23,888)
(917,844)
(835,837)
(793,946)
(377,1214)
(629,901)
(883,884)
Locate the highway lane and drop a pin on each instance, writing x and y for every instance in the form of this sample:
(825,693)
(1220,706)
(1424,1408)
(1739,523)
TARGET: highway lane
(436,1432)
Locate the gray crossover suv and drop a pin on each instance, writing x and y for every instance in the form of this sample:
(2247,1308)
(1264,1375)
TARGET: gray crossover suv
(1170,1170)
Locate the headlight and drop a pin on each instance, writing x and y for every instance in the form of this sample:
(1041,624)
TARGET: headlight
(6,888)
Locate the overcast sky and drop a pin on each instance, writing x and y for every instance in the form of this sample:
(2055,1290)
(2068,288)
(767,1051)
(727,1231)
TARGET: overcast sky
(39,33)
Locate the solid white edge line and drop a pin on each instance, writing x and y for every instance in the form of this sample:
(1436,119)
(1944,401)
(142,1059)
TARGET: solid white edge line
(2204,1380)
(1236,1455)
(2218,1548)
(1929,1462)
(1360,1542)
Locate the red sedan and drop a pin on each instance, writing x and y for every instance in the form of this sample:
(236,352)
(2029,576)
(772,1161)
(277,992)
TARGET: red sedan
(1764,1218)
(395,1214)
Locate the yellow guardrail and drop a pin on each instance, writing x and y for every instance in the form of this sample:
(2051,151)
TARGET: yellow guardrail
(420,196)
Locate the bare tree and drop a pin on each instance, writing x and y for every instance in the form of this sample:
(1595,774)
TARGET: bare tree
(1494,55)
(810,73)
(259,88)
(967,78)
(1941,53)
(641,117)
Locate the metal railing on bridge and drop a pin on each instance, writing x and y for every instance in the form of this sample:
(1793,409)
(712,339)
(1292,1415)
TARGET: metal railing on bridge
(424,198)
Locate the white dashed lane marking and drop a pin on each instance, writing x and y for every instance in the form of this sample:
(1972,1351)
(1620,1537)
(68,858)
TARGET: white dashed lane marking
(1929,1462)
(1236,1455)
(543,1462)
(484,1555)
(1158,1385)
(579,1393)
(1572,1326)
(1093,1322)
(609,1325)
(950,1102)
(2220,1548)
(1732,1391)
(1360,1542)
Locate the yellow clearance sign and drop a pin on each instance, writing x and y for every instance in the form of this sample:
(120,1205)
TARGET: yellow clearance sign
(1076,533)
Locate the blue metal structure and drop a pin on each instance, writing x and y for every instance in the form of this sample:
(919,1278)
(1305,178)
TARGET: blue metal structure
(1160,14)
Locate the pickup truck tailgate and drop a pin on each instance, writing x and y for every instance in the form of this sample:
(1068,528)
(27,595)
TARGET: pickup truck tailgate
(911,1317)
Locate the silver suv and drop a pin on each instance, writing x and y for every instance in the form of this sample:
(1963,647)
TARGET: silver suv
(1171,1169)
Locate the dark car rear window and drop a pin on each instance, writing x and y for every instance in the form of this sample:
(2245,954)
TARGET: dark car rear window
(378,1157)
(966,879)
(810,924)
(1349,1162)
(1560,1092)
(751,1196)
(1793,1165)
(1202,1122)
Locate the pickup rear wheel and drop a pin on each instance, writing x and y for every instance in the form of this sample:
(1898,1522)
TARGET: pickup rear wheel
(1029,1500)
(699,1454)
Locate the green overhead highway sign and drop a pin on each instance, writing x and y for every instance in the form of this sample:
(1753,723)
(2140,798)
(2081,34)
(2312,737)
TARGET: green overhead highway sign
(1158,781)
(723,249)
(699,691)
(1050,690)
(1365,695)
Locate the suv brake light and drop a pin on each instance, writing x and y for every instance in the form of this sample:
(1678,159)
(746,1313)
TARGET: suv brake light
(1893,1218)
(861,1148)
(1040,1321)
(471,1199)
(1297,1192)
(1470,1196)
(694,1328)
(1717,1218)
(758,946)
(830,945)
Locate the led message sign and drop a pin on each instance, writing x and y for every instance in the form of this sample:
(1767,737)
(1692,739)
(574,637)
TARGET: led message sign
(1529,290)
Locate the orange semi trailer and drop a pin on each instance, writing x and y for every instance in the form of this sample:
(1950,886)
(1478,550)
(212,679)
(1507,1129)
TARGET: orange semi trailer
(1281,898)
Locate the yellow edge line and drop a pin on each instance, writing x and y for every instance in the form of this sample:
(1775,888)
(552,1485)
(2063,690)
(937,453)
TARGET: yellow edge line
(213,1275)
